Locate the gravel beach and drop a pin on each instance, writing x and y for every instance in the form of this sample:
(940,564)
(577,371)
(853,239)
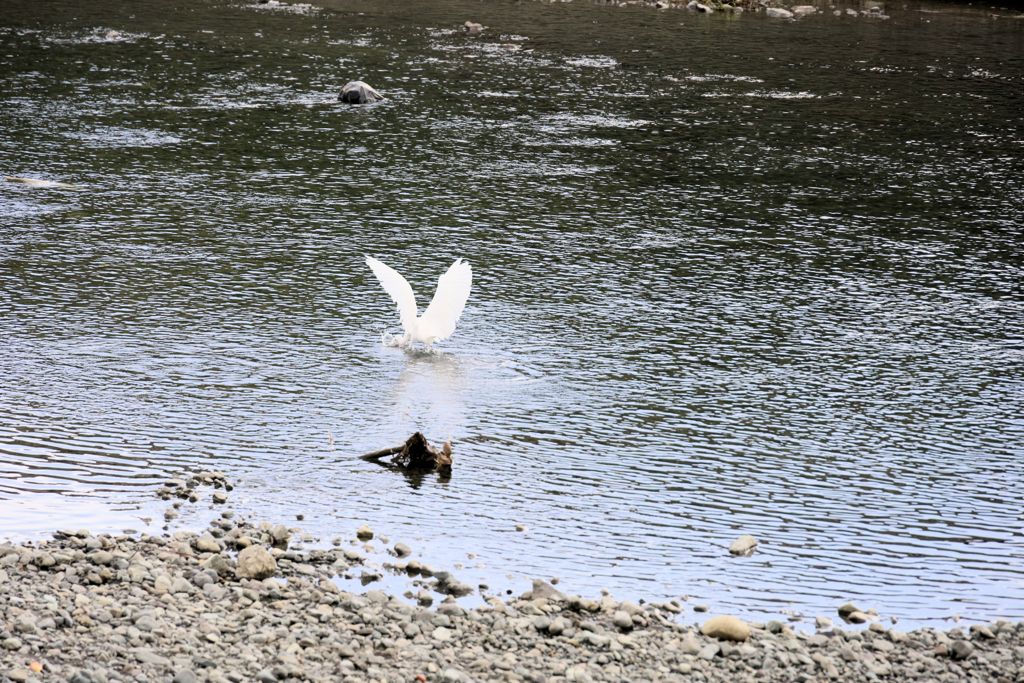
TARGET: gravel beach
(233,604)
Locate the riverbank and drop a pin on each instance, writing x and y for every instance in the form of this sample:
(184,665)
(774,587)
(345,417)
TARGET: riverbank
(186,607)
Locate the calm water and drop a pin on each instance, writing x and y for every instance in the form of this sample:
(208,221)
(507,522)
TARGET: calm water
(732,275)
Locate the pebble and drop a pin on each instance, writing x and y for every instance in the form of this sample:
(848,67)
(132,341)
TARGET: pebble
(364,532)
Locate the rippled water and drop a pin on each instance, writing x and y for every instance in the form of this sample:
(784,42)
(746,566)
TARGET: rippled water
(731,275)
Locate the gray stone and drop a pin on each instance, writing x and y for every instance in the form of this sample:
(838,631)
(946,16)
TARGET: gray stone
(848,608)
(101,557)
(44,560)
(358,92)
(185,676)
(543,589)
(622,620)
(161,585)
(207,544)
(256,562)
(146,656)
(962,649)
(364,532)
(778,13)
(266,676)
(441,634)
(180,585)
(402,550)
(709,651)
(218,564)
(280,534)
(631,608)
(12,643)
(146,623)
(744,545)
(690,646)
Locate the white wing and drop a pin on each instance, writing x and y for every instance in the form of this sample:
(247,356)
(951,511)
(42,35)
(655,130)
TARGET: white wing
(449,300)
(400,290)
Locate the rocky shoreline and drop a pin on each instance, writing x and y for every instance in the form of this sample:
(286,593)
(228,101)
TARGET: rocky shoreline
(184,607)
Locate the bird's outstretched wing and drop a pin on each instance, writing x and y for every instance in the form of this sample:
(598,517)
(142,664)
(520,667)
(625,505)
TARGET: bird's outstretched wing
(449,300)
(399,289)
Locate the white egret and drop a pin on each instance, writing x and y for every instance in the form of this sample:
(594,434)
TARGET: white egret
(438,321)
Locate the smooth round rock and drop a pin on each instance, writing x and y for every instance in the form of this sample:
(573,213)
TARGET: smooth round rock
(622,620)
(207,544)
(726,628)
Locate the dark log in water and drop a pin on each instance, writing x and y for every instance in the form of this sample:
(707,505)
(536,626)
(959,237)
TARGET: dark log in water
(416,454)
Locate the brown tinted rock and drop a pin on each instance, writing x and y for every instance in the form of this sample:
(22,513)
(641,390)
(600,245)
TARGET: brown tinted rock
(255,562)
(726,628)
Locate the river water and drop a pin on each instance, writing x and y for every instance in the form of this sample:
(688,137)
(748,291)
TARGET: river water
(731,275)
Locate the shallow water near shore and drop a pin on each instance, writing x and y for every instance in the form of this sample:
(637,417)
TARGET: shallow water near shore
(731,275)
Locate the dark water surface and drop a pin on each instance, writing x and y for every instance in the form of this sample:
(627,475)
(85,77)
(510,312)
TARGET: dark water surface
(732,275)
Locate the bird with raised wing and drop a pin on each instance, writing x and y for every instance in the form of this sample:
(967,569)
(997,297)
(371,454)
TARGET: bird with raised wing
(438,321)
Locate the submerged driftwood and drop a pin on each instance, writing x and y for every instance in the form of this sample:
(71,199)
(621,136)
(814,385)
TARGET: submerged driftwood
(416,454)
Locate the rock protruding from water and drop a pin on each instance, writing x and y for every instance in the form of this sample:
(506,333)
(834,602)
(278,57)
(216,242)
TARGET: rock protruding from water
(743,546)
(358,92)
(779,13)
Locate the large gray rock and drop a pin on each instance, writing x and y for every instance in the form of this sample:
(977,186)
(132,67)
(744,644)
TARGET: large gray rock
(255,562)
(358,92)
(779,13)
